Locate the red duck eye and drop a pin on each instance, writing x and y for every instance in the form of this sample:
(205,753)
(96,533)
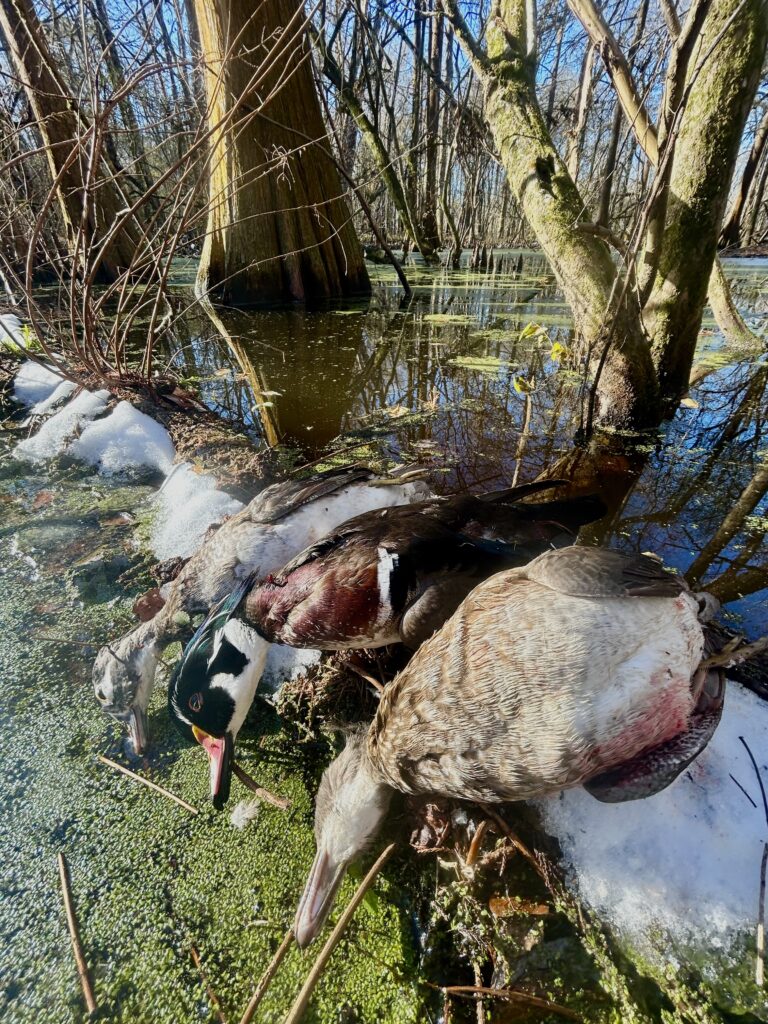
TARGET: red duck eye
(196,701)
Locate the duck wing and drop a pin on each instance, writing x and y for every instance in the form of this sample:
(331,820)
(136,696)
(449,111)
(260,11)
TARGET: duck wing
(287,496)
(597,573)
(393,575)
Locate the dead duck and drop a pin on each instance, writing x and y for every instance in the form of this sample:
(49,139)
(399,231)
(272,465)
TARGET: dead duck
(278,523)
(584,667)
(393,574)
(397,574)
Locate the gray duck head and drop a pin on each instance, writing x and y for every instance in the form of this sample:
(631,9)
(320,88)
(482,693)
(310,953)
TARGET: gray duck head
(123,680)
(352,802)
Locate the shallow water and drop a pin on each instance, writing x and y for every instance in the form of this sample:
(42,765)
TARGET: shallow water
(446,379)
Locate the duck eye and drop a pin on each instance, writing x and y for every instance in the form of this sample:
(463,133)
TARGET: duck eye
(196,701)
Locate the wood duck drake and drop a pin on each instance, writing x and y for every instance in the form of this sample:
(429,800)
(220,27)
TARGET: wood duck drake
(584,667)
(278,523)
(389,575)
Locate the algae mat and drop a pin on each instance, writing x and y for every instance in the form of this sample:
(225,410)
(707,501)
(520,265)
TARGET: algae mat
(150,881)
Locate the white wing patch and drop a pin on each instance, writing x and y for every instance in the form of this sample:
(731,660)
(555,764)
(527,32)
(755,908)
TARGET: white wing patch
(386,566)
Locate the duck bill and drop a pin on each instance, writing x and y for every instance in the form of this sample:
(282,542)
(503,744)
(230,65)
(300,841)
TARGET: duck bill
(136,723)
(319,894)
(220,751)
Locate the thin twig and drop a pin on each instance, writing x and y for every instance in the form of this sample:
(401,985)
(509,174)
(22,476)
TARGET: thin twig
(263,794)
(759,776)
(296,1012)
(518,844)
(511,995)
(358,670)
(267,977)
(760,965)
(746,794)
(204,975)
(147,782)
(82,966)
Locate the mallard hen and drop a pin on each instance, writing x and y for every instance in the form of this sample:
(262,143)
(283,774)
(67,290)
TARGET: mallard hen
(584,667)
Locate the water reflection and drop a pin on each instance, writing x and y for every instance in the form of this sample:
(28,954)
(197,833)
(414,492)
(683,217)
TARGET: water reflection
(458,377)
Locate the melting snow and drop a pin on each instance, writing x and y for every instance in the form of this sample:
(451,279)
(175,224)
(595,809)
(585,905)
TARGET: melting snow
(11,331)
(284,663)
(35,383)
(187,504)
(686,860)
(123,440)
(59,394)
(55,433)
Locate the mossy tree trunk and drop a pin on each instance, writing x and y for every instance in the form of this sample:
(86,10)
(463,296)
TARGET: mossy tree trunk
(549,199)
(717,97)
(278,225)
(90,207)
(706,150)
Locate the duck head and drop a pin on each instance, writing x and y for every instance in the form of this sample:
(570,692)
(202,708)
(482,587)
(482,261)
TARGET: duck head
(352,803)
(123,680)
(213,685)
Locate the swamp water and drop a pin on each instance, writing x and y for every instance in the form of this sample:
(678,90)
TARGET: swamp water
(456,379)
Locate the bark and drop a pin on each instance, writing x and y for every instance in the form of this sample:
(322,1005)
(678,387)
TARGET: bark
(278,226)
(429,216)
(87,208)
(706,149)
(553,207)
(382,159)
(731,233)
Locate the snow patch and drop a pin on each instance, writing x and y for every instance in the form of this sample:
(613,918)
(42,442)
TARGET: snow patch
(59,394)
(35,383)
(186,505)
(284,664)
(125,439)
(12,334)
(52,438)
(686,860)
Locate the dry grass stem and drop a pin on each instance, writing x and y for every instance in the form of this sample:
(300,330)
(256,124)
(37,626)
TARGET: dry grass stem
(302,1000)
(82,966)
(512,996)
(263,794)
(204,976)
(146,782)
(267,977)
(359,671)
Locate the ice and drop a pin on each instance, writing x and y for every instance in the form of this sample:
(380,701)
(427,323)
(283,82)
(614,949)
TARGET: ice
(52,437)
(186,505)
(125,439)
(35,383)
(687,860)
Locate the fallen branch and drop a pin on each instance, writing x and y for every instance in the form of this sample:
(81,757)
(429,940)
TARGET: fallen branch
(267,977)
(146,782)
(302,999)
(263,794)
(82,966)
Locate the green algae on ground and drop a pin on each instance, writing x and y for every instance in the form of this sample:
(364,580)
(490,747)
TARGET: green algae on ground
(149,880)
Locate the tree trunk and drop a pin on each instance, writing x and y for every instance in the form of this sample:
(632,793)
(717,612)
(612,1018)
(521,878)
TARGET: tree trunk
(90,208)
(429,216)
(582,263)
(278,226)
(706,149)
(731,233)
